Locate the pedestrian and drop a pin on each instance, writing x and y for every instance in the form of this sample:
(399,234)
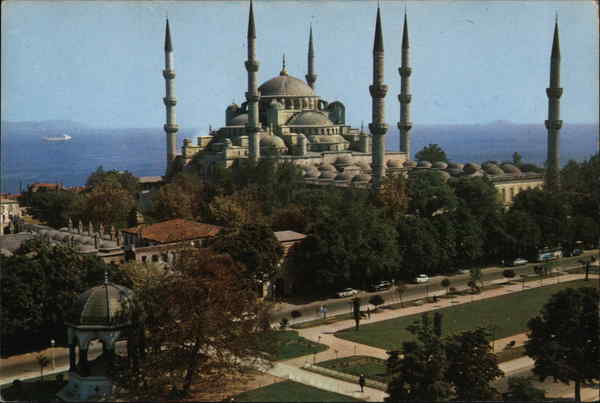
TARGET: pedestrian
(361,382)
(368,312)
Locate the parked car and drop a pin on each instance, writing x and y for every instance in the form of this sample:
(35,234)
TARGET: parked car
(464,271)
(519,262)
(422,278)
(347,292)
(382,285)
(576,252)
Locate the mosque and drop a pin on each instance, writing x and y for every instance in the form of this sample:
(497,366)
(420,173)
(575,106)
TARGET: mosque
(285,119)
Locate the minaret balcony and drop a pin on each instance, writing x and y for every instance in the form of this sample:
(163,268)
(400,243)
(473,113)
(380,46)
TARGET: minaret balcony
(404,98)
(378,129)
(169,74)
(253,97)
(405,126)
(252,65)
(554,92)
(553,124)
(378,90)
(405,71)
(171,128)
(170,101)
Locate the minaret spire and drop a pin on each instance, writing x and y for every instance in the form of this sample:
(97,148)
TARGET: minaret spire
(378,91)
(170,100)
(311,77)
(283,71)
(253,95)
(404,125)
(554,124)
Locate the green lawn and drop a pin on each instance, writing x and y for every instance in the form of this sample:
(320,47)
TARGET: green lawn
(509,314)
(291,345)
(34,389)
(372,367)
(288,391)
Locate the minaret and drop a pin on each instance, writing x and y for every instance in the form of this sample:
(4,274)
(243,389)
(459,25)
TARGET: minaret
(378,90)
(170,101)
(311,77)
(404,97)
(252,96)
(553,124)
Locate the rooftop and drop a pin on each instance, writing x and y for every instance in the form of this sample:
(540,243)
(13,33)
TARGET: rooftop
(176,230)
(287,236)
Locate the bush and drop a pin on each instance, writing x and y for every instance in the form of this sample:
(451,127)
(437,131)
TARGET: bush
(452,290)
(509,273)
(295,314)
(283,323)
(376,300)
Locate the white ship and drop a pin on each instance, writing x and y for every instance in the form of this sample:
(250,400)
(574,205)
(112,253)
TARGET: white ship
(64,137)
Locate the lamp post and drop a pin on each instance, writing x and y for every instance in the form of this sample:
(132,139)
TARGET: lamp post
(52,343)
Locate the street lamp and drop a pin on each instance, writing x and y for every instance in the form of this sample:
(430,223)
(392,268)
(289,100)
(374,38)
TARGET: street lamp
(52,342)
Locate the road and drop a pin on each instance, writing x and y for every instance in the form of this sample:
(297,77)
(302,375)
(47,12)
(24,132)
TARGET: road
(336,306)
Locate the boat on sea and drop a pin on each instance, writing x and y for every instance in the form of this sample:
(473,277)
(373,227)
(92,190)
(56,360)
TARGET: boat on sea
(64,137)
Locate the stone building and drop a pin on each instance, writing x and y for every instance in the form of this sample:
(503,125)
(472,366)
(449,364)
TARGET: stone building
(10,211)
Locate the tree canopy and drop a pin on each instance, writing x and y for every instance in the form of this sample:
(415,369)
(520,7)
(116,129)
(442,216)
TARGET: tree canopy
(432,153)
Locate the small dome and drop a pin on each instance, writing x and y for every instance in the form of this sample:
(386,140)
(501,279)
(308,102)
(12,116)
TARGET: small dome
(87,240)
(410,164)
(510,169)
(233,107)
(56,235)
(394,164)
(343,160)
(360,178)
(439,165)
(239,120)
(492,169)
(445,175)
(86,249)
(455,165)
(343,176)
(64,229)
(424,164)
(285,85)
(365,166)
(326,167)
(272,142)
(312,172)
(455,171)
(310,118)
(328,175)
(106,305)
(471,168)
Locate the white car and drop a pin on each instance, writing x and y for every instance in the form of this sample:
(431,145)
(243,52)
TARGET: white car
(422,278)
(347,292)
(519,262)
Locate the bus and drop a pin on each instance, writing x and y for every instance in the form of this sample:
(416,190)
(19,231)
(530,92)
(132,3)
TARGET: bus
(547,254)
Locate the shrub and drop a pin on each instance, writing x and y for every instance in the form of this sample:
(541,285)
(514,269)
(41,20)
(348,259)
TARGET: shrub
(452,290)
(376,300)
(283,323)
(295,314)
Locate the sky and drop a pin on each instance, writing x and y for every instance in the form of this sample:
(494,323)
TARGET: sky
(100,63)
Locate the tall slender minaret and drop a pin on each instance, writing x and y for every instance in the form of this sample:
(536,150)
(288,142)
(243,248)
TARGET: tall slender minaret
(169,100)
(253,95)
(378,90)
(553,124)
(311,77)
(405,97)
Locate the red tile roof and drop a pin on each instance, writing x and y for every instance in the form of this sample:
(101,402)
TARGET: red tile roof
(175,230)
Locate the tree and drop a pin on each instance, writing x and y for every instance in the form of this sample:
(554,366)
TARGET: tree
(517,158)
(564,336)
(524,234)
(421,372)
(252,245)
(476,276)
(113,178)
(356,314)
(473,366)
(221,332)
(53,207)
(400,289)
(392,196)
(109,205)
(418,244)
(520,389)
(376,300)
(509,274)
(43,362)
(446,284)
(432,153)
(240,208)
(429,194)
(479,195)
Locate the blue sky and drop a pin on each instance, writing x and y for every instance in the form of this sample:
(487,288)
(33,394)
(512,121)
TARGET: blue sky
(100,63)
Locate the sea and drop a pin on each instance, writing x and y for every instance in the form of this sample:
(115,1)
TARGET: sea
(26,158)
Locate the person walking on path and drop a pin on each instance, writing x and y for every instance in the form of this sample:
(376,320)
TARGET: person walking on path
(361,382)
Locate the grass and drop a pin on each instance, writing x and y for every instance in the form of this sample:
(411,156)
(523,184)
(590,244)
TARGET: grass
(511,354)
(35,389)
(372,367)
(509,315)
(288,391)
(291,345)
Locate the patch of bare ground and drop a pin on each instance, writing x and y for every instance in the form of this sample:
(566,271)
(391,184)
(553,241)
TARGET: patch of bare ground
(231,385)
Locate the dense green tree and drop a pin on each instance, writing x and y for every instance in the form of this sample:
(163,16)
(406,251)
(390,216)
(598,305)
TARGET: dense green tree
(517,158)
(113,178)
(564,337)
(421,372)
(525,236)
(472,365)
(431,153)
(252,245)
(469,238)
(54,207)
(109,205)
(520,389)
(429,194)
(418,247)
(479,195)
(356,313)
(392,197)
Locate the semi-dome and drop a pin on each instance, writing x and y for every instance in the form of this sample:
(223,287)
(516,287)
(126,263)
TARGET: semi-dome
(361,178)
(471,168)
(492,169)
(394,164)
(455,171)
(365,166)
(343,160)
(239,120)
(439,165)
(104,306)
(424,164)
(343,176)
(310,118)
(273,142)
(410,164)
(455,165)
(326,167)
(328,175)
(285,85)
(510,169)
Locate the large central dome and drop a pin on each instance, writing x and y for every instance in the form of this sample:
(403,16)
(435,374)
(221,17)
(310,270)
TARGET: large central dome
(285,86)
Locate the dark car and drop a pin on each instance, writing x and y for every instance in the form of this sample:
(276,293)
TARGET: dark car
(382,285)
